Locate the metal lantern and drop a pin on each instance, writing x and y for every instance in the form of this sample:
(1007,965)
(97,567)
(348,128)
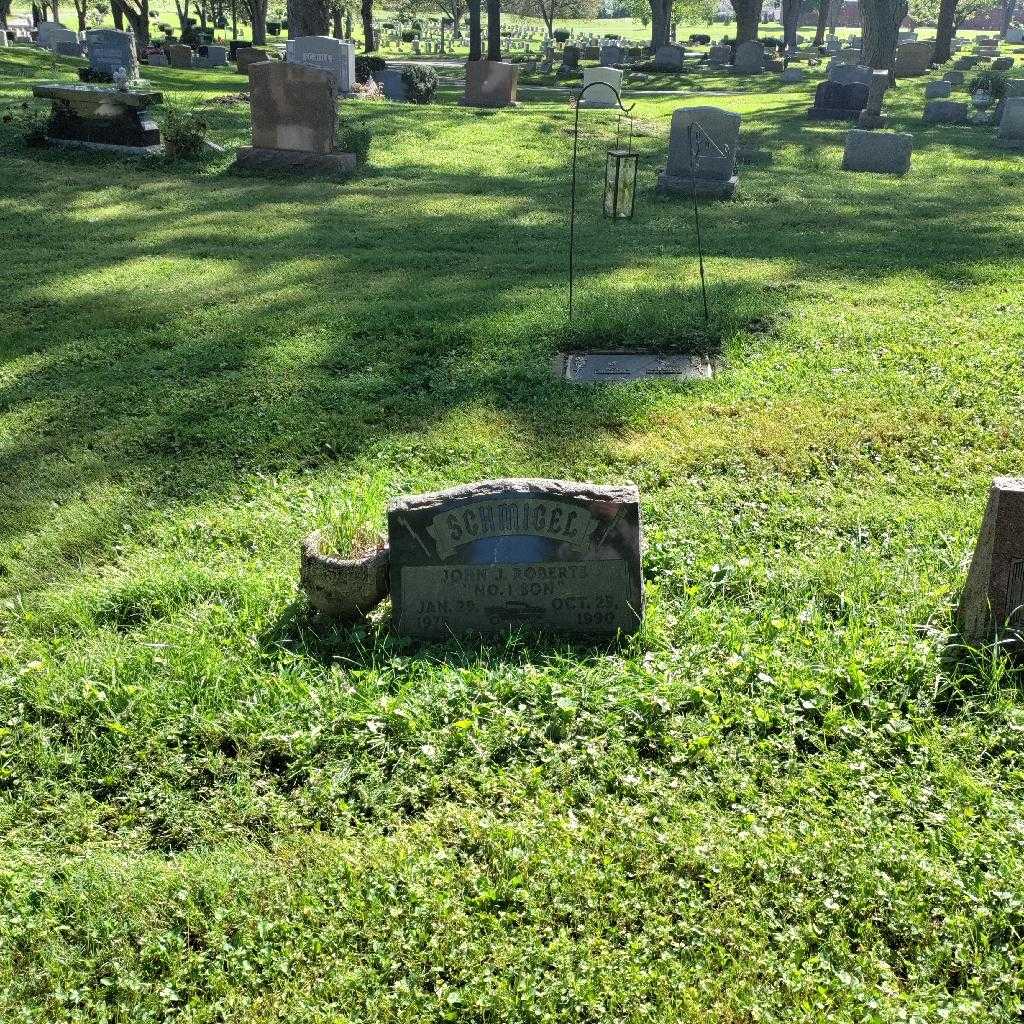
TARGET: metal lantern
(620,184)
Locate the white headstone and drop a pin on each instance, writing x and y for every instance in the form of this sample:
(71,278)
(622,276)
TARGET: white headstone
(607,89)
(327,54)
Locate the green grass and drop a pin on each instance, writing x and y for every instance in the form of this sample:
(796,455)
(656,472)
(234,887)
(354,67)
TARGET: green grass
(787,800)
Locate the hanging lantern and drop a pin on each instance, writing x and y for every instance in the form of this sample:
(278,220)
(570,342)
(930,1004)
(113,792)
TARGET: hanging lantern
(620,184)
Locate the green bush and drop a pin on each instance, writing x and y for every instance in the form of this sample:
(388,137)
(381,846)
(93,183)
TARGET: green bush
(420,83)
(31,120)
(355,138)
(992,82)
(184,132)
(370,67)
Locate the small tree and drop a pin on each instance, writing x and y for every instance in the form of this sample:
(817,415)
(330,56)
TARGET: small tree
(819,31)
(494,29)
(256,11)
(475,49)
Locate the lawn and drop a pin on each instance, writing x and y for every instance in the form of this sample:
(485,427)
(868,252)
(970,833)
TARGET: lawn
(790,798)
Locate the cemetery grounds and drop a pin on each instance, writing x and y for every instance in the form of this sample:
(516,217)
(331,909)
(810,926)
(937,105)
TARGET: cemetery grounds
(786,799)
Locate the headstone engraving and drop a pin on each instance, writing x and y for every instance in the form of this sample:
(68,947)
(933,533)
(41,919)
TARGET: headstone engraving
(328,54)
(993,596)
(596,367)
(506,554)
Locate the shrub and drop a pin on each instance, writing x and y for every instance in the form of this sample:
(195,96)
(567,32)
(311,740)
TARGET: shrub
(408,36)
(992,82)
(420,83)
(561,35)
(355,138)
(184,132)
(370,67)
(31,120)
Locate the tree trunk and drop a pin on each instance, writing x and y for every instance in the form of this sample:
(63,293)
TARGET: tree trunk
(348,23)
(474,30)
(336,27)
(5,12)
(80,10)
(881,20)
(944,32)
(182,13)
(307,18)
(366,16)
(1009,6)
(748,19)
(494,29)
(138,22)
(790,22)
(258,12)
(660,11)
(819,32)
(118,12)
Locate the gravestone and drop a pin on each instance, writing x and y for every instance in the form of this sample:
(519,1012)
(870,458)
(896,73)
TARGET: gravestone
(45,32)
(392,84)
(294,119)
(65,43)
(179,56)
(714,174)
(603,366)
(880,152)
(993,596)
(1002,64)
(1015,35)
(1010,133)
(913,59)
(158,60)
(850,55)
(215,57)
(101,117)
(490,83)
(792,75)
(247,56)
(843,95)
(871,116)
(612,55)
(955,79)
(333,55)
(543,555)
(669,58)
(937,90)
(607,87)
(719,56)
(750,58)
(946,112)
(108,49)
(570,59)
(966,63)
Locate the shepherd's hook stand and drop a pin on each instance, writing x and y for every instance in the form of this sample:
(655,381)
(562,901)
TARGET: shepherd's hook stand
(694,144)
(572,206)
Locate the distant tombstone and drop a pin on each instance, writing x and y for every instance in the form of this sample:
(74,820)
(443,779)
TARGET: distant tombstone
(913,59)
(1015,35)
(669,58)
(45,32)
(847,56)
(937,90)
(750,58)
(179,56)
(714,173)
(1002,64)
(946,112)
(294,119)
(392,84)
(328,54)
(490,83)
(1011,125)
(158,60)
(64,44)
(879,152)
(719,56)
(108,49)
(607,87)
(792,75)
(955,78)
(966,63)
(908,37)
(541,555)
(570,58)
(871,116)
(847,74)
(611,55)
(248,56)
(993,596)
(215,57)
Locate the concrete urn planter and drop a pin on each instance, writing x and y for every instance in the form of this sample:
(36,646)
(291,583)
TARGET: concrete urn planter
(343,588)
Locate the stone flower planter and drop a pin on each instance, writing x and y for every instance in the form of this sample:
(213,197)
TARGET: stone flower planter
(343,588)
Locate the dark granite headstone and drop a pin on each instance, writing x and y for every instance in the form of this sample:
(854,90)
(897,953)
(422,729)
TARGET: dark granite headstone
(545,555)
(835,101)
(993,597)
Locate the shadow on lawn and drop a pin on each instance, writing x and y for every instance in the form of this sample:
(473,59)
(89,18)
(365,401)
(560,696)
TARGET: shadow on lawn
(291,329)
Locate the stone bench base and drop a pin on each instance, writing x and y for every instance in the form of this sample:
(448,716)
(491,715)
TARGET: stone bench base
(105,147)
(251,158)
(684,185)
